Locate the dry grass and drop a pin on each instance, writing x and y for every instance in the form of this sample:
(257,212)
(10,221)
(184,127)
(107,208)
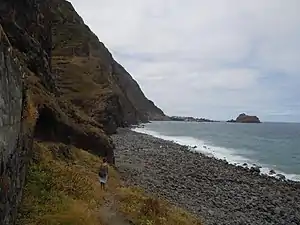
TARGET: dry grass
(76,214)
(30,112)
(82,81)
(60,191)
(62,188)
(148,210)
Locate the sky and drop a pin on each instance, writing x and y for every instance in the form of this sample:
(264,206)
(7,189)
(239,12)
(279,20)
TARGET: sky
(212,59)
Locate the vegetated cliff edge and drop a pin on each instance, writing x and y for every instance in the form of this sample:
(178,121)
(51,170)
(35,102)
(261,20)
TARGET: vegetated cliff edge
(61,78)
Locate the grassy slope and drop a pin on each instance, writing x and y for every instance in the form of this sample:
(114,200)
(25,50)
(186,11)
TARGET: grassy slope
(76,83)
(84,68)
(62,188)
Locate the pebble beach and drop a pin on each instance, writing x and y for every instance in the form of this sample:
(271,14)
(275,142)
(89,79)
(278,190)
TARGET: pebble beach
(212,189)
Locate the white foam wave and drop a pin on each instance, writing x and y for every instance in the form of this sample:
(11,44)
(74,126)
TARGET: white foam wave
(230,155)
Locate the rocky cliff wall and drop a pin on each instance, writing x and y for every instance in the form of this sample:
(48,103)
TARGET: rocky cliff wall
(12,151)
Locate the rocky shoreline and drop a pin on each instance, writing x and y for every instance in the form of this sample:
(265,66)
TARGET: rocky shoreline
(214,190)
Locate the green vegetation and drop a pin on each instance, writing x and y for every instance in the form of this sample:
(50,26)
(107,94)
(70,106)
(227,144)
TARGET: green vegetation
(59,190)
(62,188)
(148,210)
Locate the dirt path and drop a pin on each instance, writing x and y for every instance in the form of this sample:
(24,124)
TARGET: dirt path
(109,215)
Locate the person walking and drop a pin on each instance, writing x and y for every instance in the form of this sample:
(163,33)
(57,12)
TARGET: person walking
(103,173)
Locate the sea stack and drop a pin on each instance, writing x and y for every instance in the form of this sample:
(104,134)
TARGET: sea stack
(244,118)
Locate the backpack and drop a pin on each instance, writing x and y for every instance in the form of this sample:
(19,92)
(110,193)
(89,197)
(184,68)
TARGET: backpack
(102,172)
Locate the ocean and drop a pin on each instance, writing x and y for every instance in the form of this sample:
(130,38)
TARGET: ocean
(269,145)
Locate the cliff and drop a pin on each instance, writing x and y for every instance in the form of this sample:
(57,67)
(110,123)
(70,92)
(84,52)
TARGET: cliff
(90,78)
(243,118)
(12,161)
(61,79)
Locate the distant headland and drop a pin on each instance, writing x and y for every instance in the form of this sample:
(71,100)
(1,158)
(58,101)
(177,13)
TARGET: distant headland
(242,118)
(190,119)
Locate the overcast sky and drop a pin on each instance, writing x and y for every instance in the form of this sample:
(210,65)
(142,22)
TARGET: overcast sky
(212,59)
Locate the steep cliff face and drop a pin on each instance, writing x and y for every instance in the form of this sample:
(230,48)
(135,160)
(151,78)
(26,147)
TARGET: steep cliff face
(64,82)
(13,149)
(90,78)
(131,90)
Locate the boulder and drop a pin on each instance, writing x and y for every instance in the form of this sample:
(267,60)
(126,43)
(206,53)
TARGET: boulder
(255,169)
(272,172)
(280,176)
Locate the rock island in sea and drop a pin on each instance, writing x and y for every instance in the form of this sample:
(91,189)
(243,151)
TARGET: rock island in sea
(244,118)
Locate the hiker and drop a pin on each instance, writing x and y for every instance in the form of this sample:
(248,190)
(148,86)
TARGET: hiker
(103,173)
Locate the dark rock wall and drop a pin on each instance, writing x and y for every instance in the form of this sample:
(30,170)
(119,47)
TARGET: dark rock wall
(12,151)
(29,32)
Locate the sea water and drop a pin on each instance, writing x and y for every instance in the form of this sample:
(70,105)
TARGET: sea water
(273,146)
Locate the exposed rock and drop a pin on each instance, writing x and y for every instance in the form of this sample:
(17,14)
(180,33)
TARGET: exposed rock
(243,118)
(255,169)
(280,176)
(14,144)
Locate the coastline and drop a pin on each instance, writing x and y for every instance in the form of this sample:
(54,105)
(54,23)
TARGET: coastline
(227,154)
(211,188)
